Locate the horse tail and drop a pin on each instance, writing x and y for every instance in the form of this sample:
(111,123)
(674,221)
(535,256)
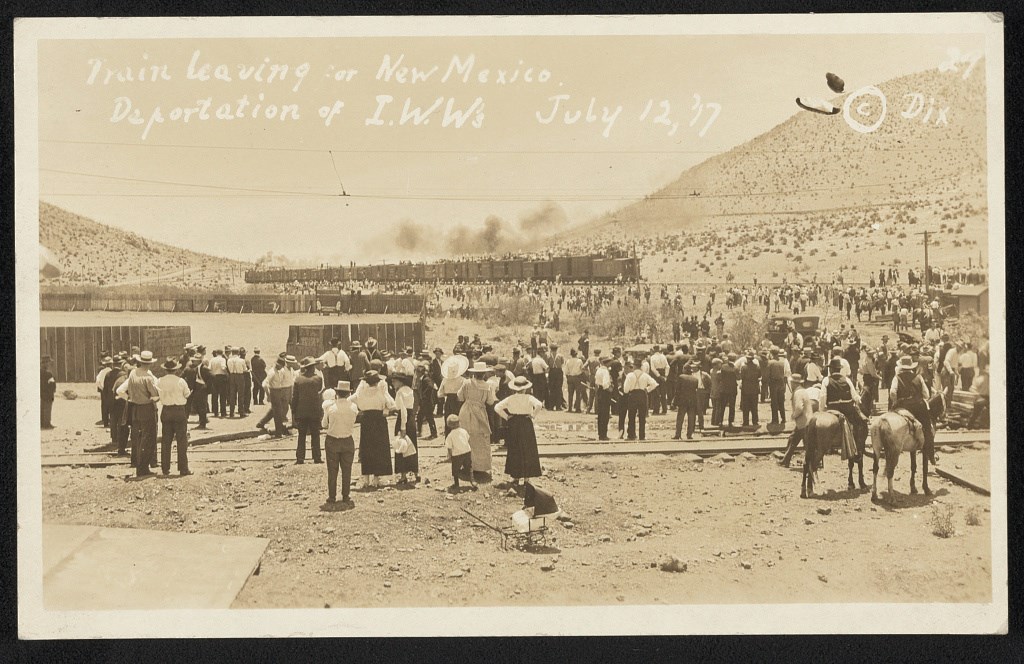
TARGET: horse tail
(892,450)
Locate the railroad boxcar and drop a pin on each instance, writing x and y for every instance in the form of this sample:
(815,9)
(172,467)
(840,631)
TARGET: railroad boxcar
(544,270)
(581,268)
(486,270)
(529,269)
(560,267)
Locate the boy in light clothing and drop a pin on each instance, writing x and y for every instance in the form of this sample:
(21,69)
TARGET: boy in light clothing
(459,453)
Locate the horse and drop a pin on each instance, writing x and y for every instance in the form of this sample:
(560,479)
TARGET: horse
(825,432)
(893,433)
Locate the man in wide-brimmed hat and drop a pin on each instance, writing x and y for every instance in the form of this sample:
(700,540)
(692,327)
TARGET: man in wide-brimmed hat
(142,394)
(360,363)
(219,387)
(604,394)
(804,403)
(236,382)
(685,399)
(338,422)
(258,367)
(909,391)
(838,393)
(306,409)
(279,383)
(174,394)
(106,362)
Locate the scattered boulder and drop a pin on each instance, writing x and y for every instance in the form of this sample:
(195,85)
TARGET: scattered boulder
(568,525)
(948,449)
(672,564)
(822,578)
(547,567)
(240,506)
(808,522)
(824,511)
(747,456)
(746,564)
(454,574)
(723,457)
(604,538)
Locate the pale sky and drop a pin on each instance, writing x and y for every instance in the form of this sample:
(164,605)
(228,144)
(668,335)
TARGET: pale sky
(243,187)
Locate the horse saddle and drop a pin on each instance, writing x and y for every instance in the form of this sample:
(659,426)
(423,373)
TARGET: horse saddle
(912,422)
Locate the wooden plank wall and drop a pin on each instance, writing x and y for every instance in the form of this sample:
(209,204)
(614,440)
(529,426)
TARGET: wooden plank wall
(235,303)
(75,351)
(313,340)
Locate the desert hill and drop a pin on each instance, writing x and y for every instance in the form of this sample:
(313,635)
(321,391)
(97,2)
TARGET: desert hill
(812,195)
(95,254)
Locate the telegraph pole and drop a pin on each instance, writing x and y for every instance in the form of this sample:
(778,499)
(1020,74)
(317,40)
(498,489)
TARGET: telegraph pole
(927,271)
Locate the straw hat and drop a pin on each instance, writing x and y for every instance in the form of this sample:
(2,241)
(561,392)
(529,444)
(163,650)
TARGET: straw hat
(455,365)
(146,357)
(906,363)
(480,368)
(343,386)
(520,384)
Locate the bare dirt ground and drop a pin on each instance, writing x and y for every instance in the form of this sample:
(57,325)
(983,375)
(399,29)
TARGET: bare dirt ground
(740,527)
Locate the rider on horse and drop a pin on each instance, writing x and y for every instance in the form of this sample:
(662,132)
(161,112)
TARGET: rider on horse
(910,392)
(839,394)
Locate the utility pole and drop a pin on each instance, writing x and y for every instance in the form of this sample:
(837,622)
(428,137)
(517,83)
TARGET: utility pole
(927,271)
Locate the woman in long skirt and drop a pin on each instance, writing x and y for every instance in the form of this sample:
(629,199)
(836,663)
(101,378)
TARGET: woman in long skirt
(405,423)
(476,395)
(523,459)
(372,399)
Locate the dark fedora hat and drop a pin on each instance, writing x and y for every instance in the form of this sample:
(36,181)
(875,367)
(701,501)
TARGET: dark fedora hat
(170,365)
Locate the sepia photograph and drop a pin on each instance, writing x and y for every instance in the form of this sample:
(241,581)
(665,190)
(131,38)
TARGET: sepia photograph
(556,325)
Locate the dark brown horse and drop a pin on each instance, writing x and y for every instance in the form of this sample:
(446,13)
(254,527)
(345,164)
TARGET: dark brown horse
(825,433)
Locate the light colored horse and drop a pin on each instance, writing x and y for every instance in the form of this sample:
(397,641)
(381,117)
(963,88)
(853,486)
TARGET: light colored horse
(893,433)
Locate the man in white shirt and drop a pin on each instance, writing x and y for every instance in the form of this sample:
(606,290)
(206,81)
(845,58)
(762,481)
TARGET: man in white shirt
(574,380)
(106,363)
(338,422)
(219,389)
(278,386)
(174,395)
(236,368)
(805,402)
(968,361)
(636,388)
(659,371)
(337,363)
(604,392)
(539,377)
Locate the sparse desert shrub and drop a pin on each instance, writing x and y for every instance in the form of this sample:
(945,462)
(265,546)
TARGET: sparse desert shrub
(942,521)
(973,516)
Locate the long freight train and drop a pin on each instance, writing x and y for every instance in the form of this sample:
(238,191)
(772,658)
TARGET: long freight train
(585,269)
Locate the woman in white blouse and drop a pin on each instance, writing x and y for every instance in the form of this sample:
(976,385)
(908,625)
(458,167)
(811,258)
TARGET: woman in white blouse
(405,424)
(522,460)
(374,441)
(476,395)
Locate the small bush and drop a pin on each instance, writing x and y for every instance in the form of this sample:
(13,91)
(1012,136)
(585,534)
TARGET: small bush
(973,516)
(942,521)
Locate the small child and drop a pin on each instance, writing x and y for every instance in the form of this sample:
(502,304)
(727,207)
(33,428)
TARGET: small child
(459,452)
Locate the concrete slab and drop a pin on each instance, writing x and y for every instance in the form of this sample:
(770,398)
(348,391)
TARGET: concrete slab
(59,542)
(125,569)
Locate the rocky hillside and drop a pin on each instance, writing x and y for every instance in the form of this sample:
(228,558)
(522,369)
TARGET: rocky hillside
(91,253)
(813,194)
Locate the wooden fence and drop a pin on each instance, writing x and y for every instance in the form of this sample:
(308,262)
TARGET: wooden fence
(313,340)
(75,351)
(225,302)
